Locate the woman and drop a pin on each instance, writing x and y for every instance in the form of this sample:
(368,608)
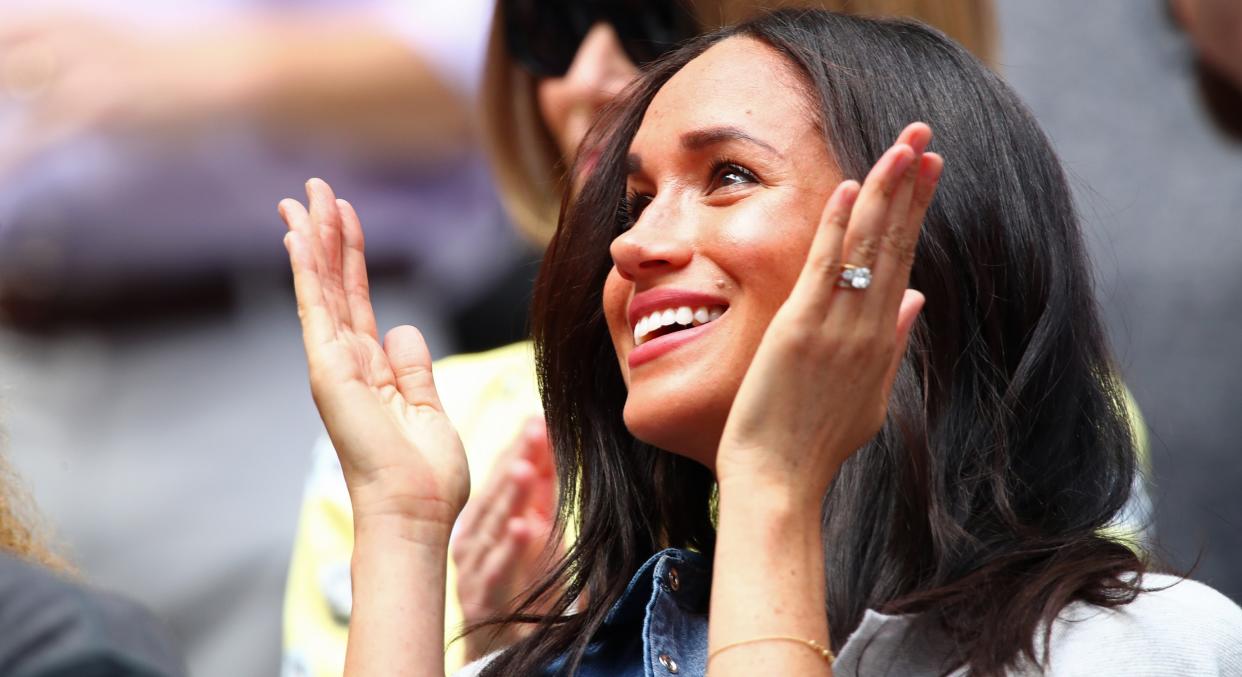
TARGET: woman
(976,510)
(551,67)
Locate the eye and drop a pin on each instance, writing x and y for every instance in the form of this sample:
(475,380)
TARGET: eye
(631,207)
(726,173)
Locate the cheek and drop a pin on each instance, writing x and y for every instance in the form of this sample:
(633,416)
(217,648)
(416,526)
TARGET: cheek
(616,298)
(769,241)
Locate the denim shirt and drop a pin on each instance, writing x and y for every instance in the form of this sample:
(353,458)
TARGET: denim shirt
(659,628)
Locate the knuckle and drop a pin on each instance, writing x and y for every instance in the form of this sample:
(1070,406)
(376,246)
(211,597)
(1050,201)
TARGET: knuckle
(900,244)
(798,339)
(923,197)
(852,350)
(828,266)
(864,251)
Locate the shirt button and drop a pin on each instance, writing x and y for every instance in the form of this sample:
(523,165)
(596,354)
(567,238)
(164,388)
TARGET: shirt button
(668,663)
(674,581)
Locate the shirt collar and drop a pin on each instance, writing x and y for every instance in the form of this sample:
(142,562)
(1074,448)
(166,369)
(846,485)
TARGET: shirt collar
(691,571)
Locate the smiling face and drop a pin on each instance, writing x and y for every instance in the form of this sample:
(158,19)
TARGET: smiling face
(729,176)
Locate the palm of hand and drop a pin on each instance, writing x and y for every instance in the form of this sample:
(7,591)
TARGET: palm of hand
(400,454)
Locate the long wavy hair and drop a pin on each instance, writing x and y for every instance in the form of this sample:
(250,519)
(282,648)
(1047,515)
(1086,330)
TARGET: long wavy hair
(1006,451)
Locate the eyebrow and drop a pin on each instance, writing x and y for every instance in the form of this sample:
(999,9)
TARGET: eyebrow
(702,138)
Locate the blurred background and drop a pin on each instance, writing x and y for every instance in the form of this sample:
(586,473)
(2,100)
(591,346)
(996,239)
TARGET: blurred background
(152,383)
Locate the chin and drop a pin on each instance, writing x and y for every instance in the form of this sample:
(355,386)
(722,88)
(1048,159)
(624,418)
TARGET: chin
(693,432)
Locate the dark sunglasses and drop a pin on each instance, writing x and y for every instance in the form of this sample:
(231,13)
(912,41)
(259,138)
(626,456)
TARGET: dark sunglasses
(544,35)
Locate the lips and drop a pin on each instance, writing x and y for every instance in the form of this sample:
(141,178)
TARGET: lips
(669,320)
(664,319)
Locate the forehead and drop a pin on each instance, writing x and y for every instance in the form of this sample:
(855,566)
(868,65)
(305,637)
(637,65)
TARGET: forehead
(738,82)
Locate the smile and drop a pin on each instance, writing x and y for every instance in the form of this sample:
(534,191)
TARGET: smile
(669,320)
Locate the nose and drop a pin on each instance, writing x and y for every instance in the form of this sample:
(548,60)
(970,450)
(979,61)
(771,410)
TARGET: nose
(652,247)
(600,69)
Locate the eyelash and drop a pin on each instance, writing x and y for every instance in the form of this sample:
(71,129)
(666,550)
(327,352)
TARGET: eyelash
(719,165)
(631,208)
(632,205)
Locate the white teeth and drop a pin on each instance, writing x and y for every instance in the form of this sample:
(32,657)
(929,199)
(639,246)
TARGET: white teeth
(640,329)
(682,315)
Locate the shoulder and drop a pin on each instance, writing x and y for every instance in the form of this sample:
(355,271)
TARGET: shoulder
(476,668)
(49,625)
(1175,626)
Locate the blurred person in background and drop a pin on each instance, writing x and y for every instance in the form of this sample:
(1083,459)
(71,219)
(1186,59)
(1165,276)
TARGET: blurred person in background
(1214,28)
(144,300)
(550,69)
(1142,101)
(51,625)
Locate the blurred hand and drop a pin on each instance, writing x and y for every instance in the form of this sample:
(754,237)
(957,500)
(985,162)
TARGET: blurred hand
(76,75)
(339,77)
(402,459)
(500,545)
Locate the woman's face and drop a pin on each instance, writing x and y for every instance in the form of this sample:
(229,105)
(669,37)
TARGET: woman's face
(728,177)
(569,104)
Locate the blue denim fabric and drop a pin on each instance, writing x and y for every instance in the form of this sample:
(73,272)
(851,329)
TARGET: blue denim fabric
(659,626)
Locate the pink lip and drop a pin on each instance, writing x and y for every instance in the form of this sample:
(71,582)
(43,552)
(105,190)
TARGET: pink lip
(647,302)
(658,346)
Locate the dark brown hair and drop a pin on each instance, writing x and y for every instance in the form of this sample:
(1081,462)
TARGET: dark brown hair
(1006,450)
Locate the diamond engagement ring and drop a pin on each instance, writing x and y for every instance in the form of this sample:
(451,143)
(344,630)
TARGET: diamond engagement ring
(854,277)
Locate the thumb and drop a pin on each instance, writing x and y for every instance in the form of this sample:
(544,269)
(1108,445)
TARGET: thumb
(411,366)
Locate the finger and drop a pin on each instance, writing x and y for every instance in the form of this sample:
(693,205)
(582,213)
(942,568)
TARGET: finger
(318,326)
(497,570)
(354,271)
(815,283)
(930,168)
(520,448)
(868,222)
(916,135)
(891,272)
(484,586)
(495,508)
(326,220)
(536,447)
(411,367)
(911,305)
(509,500)
(537,450)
